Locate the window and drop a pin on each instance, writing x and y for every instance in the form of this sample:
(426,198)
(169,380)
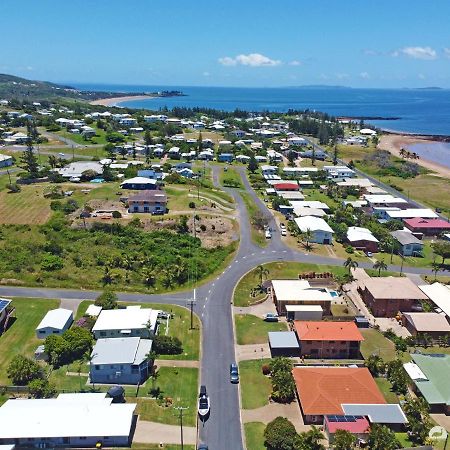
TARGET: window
(97,367)
(332,342)
(103,333)
(55,331)
(41,331)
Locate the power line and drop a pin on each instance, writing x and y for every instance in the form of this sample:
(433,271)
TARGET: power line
(181,409)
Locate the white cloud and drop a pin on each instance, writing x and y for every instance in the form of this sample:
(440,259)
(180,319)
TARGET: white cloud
(426,53)
(206,74)
(447,52)
(252,60)
(364,75)
(421,76)
(342,76)
(294,63)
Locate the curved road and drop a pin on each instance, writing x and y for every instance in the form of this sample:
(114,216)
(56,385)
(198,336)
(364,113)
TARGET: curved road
(222,430)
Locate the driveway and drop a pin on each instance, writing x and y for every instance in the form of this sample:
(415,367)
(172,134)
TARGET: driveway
(252,351)
(157,433)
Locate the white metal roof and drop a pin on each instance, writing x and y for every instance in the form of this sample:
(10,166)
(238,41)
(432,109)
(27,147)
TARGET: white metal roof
(309,204)
(439,294)
(56,318)
(410,213)
(72,415)
(304,308)
(288,289)
(312,223)
(128,350)
(360,234)
(414,371)
(139,180)
(384,199)
(130,318)
(377,413)
(93,310)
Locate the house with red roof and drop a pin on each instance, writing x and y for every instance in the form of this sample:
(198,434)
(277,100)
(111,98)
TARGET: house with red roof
(319,339)
(429,227)
(286,187)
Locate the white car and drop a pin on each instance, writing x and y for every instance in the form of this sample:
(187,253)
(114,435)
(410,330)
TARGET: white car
(268,234)
(283,232)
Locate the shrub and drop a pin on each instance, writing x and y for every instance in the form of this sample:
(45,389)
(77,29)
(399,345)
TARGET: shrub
(280,434)
(203,227)
(107,300)
(116,214)
(349,249)
(265,369)
(41,388)
(167,345)
(22,370)
(191,205)
(51,263)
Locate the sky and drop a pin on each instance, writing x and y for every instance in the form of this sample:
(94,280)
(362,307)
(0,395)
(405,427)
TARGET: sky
(358,43)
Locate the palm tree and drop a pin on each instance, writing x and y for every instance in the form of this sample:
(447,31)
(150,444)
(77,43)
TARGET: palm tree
(262,274)
(380,265)
(149,277)
(107,277)
(350,264)
(435,267)
(402,152)
(307,236)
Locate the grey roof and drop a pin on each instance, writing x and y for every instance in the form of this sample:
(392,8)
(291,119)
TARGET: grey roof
(130,350)
(405,237)
(388,413)
(283,339)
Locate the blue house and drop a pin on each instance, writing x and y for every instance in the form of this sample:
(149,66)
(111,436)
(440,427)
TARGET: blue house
(151,174)
(120,360)
(226,157)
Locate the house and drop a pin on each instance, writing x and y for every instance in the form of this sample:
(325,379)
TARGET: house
(362,238)
(304,312)
(339,172)
(316,154)
(286,187)
(78,168)
(431,324)
(386,296)
(56,321)
(120,361)
(429,375)
(133,321)
(151,174)
(226,157)
(298,292)
(429,227)
(238,133)
(6,160)
(297,141)
(283,343)
(319,339)
(321,391)
(139,183)
(321,231)
(243,158)
(128,121)
(274,156)
(439,294)
(310,204)
(291,195)
(410,213)
(269,170)
(368,132)
(299,171)
(407,243)
(384,200)
(358,426)
(82,420)
(153,202)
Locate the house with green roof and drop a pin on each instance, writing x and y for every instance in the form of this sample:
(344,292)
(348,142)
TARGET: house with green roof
(430,376)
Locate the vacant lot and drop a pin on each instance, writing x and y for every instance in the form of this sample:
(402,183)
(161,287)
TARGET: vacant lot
(255,387)
(253,330)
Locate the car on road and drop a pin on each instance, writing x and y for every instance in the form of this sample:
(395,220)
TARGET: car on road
(61,154)
(283,232)
(271,317)
(202,447)
(234,373)
(268,234)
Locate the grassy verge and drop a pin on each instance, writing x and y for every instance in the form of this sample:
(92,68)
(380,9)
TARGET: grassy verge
(254,435)
(230,178)
(255,387)
(253,330)
(410,261)
(20,338)
(277,270)
(258,236)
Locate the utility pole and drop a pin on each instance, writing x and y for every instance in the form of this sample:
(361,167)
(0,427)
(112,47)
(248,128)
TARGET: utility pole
(181,409)
(9,176)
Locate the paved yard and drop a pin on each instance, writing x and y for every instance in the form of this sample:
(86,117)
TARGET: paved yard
(252,351)
(156,433)
(257,310)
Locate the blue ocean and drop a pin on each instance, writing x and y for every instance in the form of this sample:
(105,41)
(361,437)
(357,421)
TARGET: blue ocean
(424,111)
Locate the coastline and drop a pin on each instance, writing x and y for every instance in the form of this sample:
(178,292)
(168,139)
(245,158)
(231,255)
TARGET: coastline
(395,142)
(115,101)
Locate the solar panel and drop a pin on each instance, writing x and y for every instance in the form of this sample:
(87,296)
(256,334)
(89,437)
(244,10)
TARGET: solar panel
(3,304)
(344,418)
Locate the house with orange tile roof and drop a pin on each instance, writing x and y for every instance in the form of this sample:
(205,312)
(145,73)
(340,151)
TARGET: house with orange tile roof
(322,391)
(320,339)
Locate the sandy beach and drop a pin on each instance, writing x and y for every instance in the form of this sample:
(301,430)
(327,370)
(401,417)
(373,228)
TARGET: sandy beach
(395,142)
(115,101)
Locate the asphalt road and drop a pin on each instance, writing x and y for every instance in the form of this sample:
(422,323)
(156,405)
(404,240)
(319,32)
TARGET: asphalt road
(222,430)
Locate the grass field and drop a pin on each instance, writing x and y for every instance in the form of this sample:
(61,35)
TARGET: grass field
(20,338)
(258,236)
(230,178)
(254,435)
(411,261)
(253,330)
(386,389)
(255,387)
(375,342)
(277,270)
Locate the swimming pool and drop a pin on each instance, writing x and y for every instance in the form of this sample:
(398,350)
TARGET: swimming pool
(97,180)
(333,293)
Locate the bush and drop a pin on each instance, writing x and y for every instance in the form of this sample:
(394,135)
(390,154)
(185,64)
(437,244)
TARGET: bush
(191,205)
(167,345)
(116,215)
(280,434)
(349,249)
(107,300)
(203,227)
(41,388)
(51,263)
(22,370)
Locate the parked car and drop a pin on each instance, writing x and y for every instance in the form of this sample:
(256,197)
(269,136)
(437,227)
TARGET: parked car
(271,317)
(283,232)
(234,373)
(268,234)
(369,254)
(202,447)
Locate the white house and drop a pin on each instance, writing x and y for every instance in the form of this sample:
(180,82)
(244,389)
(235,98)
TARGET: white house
(321,231)
(133,321)
(408,244)
(6,160)
(56,321)
(269,170)
(297,141)
(70,420)
(367,132)
(128,121)
(339,172)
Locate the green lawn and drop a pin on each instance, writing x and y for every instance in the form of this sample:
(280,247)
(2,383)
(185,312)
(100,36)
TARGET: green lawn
(375,342)
(230,178)
(181,385)
(386,389)
(20,338)
(254,435)
(404,440)
(411,261)
(258,236)
(253,330)
(255,387)
(277,270)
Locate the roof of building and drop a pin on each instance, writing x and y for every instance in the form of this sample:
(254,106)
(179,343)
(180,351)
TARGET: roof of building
(409,213)
(309,204)
(68,415)
(436,367)
(393,288)
(315,212)
(417,222)
(361,182)
(353,424)
(414,372)
(288,289)
(286,186)
(149,196)
(385,199)
(428,321)
(76,169)
(130,318)
(56,318)
(439,294)
(405,237)
(355,234)
(283,339)
(322,390)
(5,157)
(388,413)
(129,350)
(93,310)
(138,180)
(304,308)
(327,331)
(4,302)
(312,223)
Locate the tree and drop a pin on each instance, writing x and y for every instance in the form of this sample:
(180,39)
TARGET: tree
(41,388)
(110,150)
(419,422)
(252,164)
(306,237)
(200,142)
(29,162)
(435,268)
(262,273)
(310,440)
(291,157)
(313,155)
(396,374)
(380,265)
(260,220)
(107,299)
(79,340)
(21,370)
(441,248)
(350,264)
(108,174)
(376,365)
(382,438)
(335,155)
(283,385)
(343,440)
(167,345)
(280,434)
